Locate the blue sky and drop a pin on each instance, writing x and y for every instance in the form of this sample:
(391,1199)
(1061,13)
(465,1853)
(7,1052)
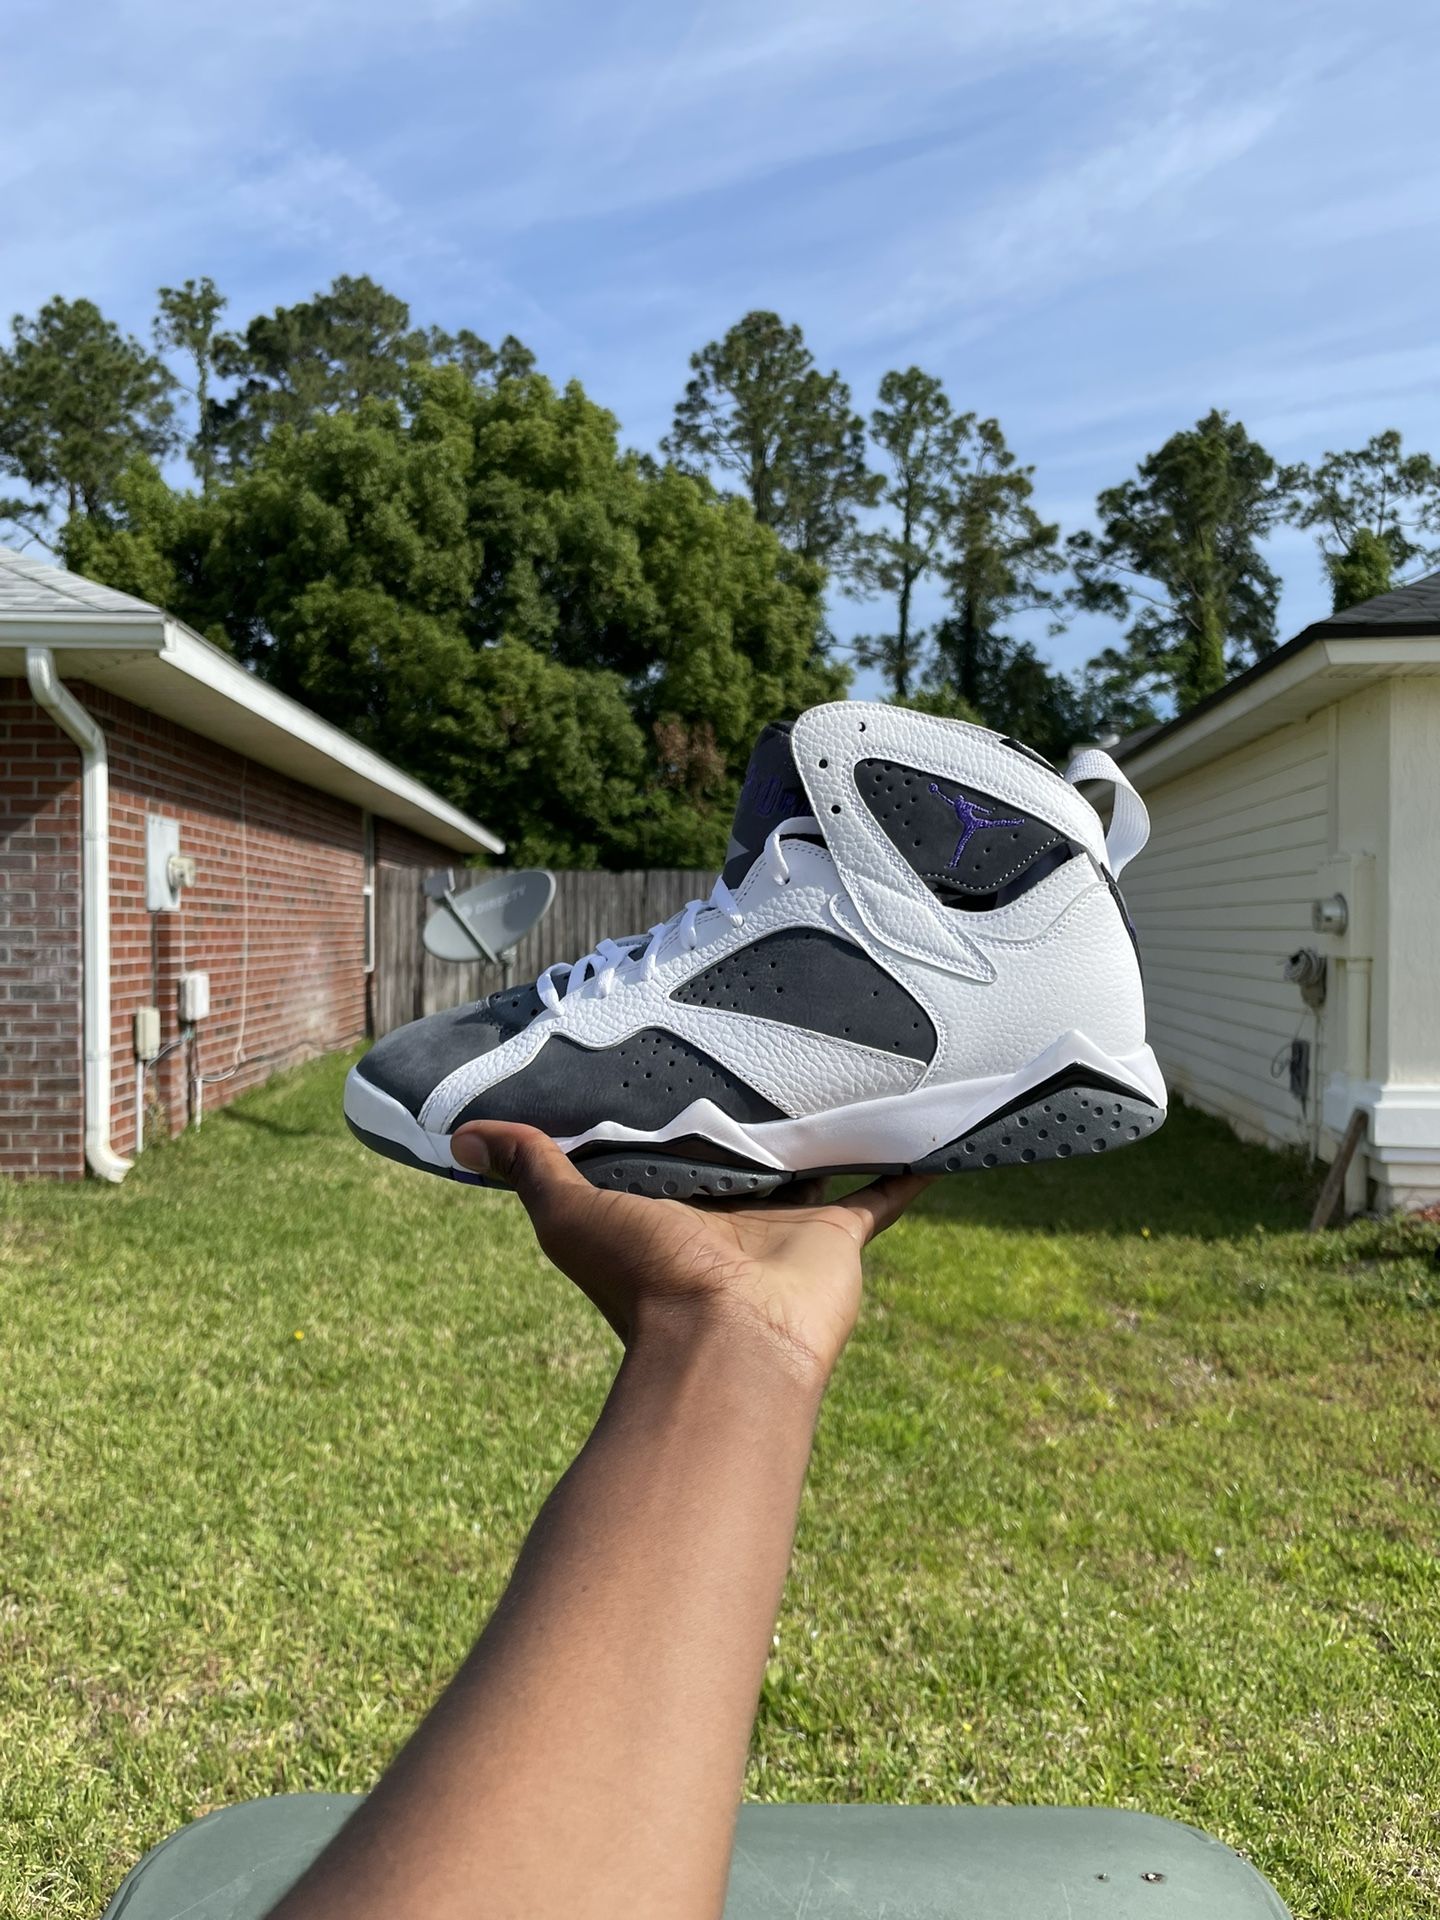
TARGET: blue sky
(1093,218)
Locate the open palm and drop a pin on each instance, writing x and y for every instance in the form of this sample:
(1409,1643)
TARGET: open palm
(790,1266)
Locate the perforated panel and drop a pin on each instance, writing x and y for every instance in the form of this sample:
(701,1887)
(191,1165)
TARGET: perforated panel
(643,1081)
(966,845)
(820,981)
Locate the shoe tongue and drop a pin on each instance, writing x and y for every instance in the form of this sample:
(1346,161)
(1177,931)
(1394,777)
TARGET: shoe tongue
(771,793)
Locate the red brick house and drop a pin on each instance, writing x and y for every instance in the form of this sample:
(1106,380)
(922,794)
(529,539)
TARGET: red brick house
(174,835)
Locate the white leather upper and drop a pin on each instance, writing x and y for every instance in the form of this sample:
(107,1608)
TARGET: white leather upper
(799,1071)
(999,986)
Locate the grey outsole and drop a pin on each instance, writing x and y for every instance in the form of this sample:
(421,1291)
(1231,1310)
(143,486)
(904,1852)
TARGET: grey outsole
(665,1178)
(1075,1113)
(1068,1115)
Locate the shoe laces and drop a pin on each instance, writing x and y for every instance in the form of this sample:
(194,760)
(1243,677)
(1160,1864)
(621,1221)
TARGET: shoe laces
(634,958)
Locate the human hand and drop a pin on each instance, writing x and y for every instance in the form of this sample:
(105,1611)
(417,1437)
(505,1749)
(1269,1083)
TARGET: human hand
(786,1270)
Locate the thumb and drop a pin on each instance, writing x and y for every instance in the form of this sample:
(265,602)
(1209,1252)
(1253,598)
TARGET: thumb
(521,1157)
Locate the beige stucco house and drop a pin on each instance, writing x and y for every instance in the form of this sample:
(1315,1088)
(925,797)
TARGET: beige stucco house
(1299,808)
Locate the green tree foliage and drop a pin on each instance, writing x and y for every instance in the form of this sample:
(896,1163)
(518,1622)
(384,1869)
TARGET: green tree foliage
(1000,559)
(420,537)
(328,355)
(759,410)
(186,324)
(154,541)
(916,431)
(943,702)
(1178,553)
(960,507)
(575,646)
(1373,506)
(78,401)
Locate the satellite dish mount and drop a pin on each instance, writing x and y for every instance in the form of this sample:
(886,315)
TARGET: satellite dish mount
(487,921)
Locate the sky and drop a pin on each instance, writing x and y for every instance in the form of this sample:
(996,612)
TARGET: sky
(1093,219)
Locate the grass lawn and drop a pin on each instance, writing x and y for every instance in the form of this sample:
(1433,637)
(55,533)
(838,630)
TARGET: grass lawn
(1127,1491)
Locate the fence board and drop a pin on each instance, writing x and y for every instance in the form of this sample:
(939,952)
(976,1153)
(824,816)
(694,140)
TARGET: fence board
(587,907)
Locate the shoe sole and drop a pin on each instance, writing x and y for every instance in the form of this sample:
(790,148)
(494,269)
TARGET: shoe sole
(1072,1100)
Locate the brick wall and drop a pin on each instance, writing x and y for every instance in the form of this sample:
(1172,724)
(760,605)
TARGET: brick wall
(41,1052)
(276,918)
(397,846)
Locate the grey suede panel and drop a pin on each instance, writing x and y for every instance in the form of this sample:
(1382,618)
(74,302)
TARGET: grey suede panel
(963,843)
(818,980)
(410,1062)
(642,1081)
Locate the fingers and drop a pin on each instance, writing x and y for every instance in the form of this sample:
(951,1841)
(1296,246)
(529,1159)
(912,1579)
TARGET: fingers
(874,1208)
(523,1157)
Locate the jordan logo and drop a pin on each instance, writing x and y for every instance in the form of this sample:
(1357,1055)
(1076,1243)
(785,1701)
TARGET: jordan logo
(972,818)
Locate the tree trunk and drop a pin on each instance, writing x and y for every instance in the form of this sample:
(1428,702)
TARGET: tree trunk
(901,675)
(969,651)
(1206,667)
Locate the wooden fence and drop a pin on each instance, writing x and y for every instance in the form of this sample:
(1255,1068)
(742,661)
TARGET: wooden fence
(409,982)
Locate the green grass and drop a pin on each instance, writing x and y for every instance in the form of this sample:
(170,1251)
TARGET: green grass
(1127,1491)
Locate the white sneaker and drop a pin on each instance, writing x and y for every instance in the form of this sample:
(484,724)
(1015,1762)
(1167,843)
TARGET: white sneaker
(916,957)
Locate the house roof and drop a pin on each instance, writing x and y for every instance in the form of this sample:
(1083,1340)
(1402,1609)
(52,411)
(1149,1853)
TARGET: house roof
(1412,609)
(1396,633)
(136,650)
(31,586)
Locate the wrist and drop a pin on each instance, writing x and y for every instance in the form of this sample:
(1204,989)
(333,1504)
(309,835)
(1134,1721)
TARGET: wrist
(726,1340)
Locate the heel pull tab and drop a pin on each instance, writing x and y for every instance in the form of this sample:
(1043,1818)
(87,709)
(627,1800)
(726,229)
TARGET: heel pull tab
(1129,821)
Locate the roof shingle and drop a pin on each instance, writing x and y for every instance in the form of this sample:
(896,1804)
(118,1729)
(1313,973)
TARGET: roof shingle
(29,586)
(1412,609)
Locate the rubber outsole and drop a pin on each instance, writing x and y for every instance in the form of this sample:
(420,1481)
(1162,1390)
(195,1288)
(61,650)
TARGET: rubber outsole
(1076,1112)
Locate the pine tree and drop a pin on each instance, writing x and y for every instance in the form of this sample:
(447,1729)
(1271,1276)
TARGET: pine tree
(1178,552)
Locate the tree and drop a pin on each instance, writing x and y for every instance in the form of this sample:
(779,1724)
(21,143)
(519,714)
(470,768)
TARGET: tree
(1371,504)
(154,541)
(1000,554)
(78,401)
(568,641)
(1181,543)
(759,409)
(186,324)
(331,354)
(915,428)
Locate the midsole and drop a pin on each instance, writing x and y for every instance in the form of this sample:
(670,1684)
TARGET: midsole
(892,1131)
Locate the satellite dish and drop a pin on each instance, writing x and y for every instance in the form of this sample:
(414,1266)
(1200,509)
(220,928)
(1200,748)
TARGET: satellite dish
(485,922)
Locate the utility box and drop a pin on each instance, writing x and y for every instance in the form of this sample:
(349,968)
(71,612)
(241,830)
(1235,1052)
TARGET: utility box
(194,997)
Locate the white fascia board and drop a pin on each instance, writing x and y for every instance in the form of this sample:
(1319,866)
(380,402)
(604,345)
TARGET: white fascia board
(364,776)
(66,632)
(1326,670)
(162,666)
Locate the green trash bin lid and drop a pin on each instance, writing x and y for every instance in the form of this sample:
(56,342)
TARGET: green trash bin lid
(829,1863)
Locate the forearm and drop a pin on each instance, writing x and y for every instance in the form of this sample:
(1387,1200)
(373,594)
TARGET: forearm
(607,1707)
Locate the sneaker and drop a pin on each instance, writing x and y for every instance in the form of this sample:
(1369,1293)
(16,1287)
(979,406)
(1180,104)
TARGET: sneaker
(916,957)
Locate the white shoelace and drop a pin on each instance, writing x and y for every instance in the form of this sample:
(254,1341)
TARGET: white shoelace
(596,972)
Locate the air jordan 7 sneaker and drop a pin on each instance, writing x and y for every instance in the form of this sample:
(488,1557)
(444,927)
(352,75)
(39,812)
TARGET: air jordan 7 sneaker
(916,957)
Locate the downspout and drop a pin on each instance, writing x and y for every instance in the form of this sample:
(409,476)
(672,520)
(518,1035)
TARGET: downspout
(83,729)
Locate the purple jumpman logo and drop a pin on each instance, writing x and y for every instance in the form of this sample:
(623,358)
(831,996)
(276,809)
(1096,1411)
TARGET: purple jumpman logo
(971,818)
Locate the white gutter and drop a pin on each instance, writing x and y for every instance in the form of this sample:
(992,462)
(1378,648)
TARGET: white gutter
(57,700)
